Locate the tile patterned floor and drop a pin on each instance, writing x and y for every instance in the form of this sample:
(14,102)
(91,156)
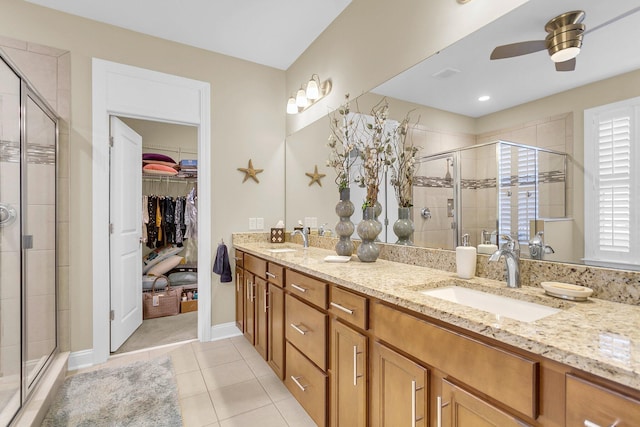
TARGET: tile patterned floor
(225,383)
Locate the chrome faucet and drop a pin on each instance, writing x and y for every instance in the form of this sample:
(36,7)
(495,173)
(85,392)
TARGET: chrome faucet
(323,229)
(537,248)
(511,252)
(305,236)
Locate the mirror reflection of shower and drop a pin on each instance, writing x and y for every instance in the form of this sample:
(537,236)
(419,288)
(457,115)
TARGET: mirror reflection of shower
(498,187)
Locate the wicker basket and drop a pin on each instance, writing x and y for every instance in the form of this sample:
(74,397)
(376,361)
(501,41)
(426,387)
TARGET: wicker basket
(160,304)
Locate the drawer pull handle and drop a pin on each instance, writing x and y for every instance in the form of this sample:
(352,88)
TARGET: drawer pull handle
(341,308)
(297,381)
(298,287)
(355,365)
(301,331)
(265,301)
(238,258)
(439,411)
(588,423)
(414,403)
(273,276)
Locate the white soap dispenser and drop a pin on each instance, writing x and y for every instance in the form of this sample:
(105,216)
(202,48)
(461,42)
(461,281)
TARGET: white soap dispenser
(466,259)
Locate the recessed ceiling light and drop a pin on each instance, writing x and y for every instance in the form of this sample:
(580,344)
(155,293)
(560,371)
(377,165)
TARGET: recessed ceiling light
(484,98)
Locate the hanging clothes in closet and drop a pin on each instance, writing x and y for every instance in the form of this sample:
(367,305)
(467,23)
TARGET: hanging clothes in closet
(164,220)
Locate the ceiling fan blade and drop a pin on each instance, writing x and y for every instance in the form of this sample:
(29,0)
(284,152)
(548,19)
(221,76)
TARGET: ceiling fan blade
(569,65)
(517,49)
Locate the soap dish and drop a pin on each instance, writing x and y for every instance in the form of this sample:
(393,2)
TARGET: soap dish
(566,291)
(337,258)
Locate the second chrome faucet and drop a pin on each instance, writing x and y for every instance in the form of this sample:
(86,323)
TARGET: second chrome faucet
(511,252)
(305,236)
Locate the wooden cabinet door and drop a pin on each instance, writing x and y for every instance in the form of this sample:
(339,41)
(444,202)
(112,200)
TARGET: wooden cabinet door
(249,307)
(276,330)
(399,390)
(261,316)
(462,409)
(348,376)
(240,298)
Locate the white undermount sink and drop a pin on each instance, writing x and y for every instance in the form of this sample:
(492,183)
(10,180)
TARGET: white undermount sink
(281,250)
(523,311)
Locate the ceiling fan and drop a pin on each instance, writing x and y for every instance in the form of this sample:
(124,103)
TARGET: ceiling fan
(563,42)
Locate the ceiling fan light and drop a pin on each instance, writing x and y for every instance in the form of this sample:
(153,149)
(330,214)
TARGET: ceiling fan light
(565,54)
(292,107)
(301,99)
(313,92)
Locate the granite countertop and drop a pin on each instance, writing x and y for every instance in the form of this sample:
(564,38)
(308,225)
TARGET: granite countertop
(596,336)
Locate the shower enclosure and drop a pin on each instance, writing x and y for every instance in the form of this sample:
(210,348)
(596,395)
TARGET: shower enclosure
(499,187)
(28,273)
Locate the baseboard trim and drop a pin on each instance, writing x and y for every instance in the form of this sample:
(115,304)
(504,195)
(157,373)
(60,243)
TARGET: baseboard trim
(81,359)
(224,330)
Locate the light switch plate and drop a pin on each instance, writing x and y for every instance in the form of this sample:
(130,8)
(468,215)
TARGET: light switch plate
(259,223)
(252,223)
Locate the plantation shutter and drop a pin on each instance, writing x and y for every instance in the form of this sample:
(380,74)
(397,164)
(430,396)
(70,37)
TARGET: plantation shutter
(614,181)
(612,206)
(504,189)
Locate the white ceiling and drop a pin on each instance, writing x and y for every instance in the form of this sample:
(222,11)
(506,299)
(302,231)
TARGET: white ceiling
(269,32)
(606,52)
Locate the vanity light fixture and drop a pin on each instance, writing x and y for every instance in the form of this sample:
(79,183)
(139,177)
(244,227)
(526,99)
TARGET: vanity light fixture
(308,95)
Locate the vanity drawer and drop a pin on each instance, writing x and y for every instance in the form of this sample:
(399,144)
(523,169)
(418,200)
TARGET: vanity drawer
(255,265)
(275,274)
(307,330)
(349,306)
(309,289)
(590,403)
(307,384)
(507,377)
(239,257)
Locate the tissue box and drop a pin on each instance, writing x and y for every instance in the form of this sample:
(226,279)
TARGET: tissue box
(277,235)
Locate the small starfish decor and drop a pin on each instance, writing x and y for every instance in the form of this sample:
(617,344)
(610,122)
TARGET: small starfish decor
(250,172)
(315,176)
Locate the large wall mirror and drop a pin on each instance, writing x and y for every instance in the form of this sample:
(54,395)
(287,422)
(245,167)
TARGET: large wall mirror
(534,113)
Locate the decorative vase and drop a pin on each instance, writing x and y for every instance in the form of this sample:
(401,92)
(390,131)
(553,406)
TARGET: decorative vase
(368,230)
(403,227)
(345,228)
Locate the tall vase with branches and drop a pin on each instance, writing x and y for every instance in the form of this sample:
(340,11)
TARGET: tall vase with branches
(376,155)
(402,174)
(342,146)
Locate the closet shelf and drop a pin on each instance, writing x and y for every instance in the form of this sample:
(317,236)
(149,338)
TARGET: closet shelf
(169,179)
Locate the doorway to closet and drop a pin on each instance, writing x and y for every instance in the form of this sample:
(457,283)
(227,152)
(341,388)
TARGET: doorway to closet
(124,90)
(166,206)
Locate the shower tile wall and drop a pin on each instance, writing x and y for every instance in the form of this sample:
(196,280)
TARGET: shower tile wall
(48,70)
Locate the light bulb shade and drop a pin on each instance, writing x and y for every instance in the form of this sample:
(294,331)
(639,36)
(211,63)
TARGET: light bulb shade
(565,54)
(292,108)
(313,92)
(301,99)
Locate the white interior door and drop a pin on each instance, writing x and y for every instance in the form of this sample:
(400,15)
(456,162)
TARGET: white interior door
(126,232)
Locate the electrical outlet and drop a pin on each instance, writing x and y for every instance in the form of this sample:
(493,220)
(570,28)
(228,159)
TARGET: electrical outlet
(252,223)
(259,223)
(307,221)
(314,222)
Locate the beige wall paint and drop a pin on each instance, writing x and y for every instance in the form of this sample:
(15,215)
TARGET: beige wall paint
(246,122)
(373,40)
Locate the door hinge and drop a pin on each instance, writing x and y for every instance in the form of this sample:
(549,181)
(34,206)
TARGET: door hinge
(110,228)
(110,141)
(112,315)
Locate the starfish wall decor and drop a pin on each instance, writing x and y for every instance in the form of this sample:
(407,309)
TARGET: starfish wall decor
(315,176)
(250,172)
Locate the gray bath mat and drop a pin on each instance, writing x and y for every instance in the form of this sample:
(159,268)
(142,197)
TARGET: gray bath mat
(140,394)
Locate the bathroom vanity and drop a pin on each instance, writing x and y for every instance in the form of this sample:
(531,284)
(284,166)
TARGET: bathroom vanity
(362,344)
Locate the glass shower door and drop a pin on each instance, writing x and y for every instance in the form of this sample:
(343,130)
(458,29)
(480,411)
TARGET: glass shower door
(39,241)
(10,248)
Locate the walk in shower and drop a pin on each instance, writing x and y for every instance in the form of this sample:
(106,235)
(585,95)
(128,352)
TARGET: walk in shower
(28,238)
(499,187)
